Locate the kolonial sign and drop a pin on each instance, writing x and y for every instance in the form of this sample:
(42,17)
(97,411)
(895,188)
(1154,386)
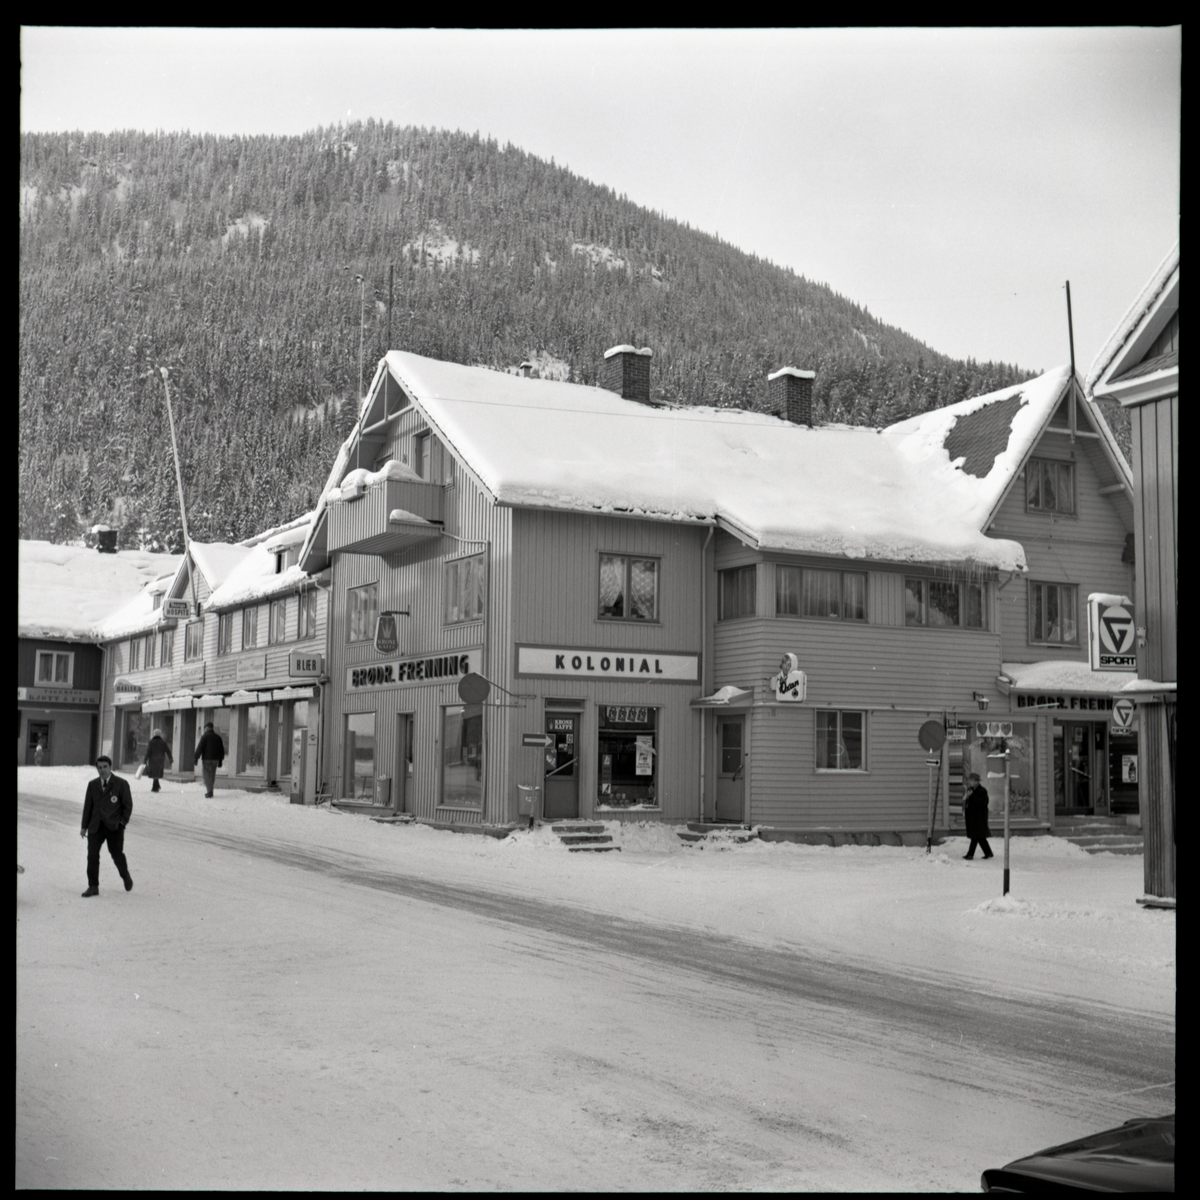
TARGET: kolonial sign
(577,663)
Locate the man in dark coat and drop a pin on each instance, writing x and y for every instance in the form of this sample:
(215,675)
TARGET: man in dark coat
(107,808)
(975,812)
(210,754)
(158,757)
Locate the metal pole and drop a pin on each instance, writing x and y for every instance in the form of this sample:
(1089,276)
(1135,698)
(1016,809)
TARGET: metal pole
(187,541)
(391,272)
(1006,821)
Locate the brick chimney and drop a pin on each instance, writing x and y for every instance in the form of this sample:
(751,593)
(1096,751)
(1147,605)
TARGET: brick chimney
(527,370)
(627,372)
(791,394)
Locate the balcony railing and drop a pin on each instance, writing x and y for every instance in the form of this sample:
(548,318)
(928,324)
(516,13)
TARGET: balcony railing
(386,516)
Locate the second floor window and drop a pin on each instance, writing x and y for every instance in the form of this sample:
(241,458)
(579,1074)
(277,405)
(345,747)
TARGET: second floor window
(278,621)
(1050,486)
(362,612)
(628,588)
(54,667)
(307,625)
(941,605)
(225,633)
(736,593)
(193,643)
(166,647)
(464,589)
(808,592)
(1052,609)
(249,628)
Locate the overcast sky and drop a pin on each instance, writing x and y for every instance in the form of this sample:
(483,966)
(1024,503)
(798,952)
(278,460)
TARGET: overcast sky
(948,180)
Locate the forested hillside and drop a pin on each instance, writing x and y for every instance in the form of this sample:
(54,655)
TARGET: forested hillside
(252,267)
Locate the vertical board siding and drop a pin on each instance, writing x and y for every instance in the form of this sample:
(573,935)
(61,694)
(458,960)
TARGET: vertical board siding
(1156,452)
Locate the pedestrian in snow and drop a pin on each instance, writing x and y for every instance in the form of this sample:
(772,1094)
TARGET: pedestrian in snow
(158,756)
(107,808)
(210,754)
(39,753)
(975,812)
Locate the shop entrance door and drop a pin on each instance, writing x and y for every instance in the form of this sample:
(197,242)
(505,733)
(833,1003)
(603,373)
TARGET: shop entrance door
(1078,789)
(39,734)
(731,772)
(402,777)
(560,795)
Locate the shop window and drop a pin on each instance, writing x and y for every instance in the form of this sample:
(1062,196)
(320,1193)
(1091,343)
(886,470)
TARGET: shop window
(997,751)
(278,621)
(193,641)
(841,739)
(628,588)
(628,758)
(222,719)
(1052,608)
(809,592)
(225,633)
(166,647)
(736,593)
(252,739)
(362,612)
(250,627)
(135,740)
(464,589)
(462,756)
(1050,486)
(358,778)
(940,605)
(55,668)
(308,614)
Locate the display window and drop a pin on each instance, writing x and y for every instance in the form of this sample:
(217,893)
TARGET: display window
(358,779)
(462,756)
(628,756)
(1001,753)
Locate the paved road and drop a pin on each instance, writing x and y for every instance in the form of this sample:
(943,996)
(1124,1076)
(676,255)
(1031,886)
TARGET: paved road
(642,1056)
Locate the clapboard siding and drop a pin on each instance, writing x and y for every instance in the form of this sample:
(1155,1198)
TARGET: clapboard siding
(1156,457)
(1083,549)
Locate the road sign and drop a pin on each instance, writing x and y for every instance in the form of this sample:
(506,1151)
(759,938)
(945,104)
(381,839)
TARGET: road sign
(541,740)
(931,735)
(473,688)
(1122,711)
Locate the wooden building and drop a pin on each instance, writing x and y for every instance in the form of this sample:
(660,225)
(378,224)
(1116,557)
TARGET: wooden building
(235,636)
(694,613)
(1139,367)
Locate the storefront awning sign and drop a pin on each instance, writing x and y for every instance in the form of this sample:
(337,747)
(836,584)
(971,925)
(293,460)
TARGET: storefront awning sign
(572,662)
(125,692)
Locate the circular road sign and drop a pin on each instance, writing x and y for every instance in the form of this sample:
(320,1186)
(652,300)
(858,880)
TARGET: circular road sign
(1122,711)
(931,735)
(473,688)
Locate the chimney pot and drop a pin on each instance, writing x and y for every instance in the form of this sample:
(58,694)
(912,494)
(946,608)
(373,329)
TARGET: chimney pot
(791,394)
(527,369)
(627,372)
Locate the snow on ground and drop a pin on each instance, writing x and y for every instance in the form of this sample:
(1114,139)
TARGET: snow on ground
(1070,926)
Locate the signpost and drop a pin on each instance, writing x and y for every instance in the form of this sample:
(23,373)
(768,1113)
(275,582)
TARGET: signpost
(932,736)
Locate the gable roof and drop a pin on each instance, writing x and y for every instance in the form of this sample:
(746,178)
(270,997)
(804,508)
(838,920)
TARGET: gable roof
(831,490)
(1134,334)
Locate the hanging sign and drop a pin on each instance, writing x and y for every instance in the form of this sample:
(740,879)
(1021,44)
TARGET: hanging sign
(177,610)
(791,684)
(1111,635)
(387,640)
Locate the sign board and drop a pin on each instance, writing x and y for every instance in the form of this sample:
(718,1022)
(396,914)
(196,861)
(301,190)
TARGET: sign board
(177,610)
(931,735)
(956,733)
(387,640)
(39,695)
(647,666)
(1122,711)
(254,667)
(304,664)
(192,673)
(1112,637)
(791,684)
(541,740)
(403,672)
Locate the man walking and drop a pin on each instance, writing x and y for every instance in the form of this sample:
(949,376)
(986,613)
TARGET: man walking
(975,813)
(107,808)
(210,754)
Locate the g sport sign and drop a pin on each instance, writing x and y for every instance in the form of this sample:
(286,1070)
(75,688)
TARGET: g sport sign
(1112,637)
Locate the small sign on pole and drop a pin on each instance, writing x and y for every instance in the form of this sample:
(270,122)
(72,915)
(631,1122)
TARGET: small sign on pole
(540,740)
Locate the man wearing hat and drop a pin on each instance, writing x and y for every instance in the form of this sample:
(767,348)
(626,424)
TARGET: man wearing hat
(975,812)
(107,808)
(210,754)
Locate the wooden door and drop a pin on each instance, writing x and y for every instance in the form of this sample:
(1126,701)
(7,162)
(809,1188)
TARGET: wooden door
(560,795)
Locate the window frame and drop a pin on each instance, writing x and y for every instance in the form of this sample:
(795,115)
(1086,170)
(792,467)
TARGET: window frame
(190,653)
(864,765)
(166,648)
(627,560)
(748,571)
(250,627)
(354,611)
(277,629)
(1037,467)
(54,681)
(457,569)
(306,618)
(1031,608)
(785,570)
(926,583)
(224,633)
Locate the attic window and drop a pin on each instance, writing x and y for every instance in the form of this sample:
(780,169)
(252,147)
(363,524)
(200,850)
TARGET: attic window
(156,600)
(1050,486)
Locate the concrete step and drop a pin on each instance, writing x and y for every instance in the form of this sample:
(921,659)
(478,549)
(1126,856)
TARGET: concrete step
(580,835)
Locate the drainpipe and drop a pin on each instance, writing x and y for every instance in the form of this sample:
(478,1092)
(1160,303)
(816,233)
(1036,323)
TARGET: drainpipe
(704,662)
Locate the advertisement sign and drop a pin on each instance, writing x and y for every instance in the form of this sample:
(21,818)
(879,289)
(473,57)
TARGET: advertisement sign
(387,639)
(1112,637)
(791,684)
(402,672)
(575,663)
(177,610)
(304,664)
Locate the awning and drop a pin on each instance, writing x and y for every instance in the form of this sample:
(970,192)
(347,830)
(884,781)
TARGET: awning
(293,693)
(244,697)
(208,701)
(726,697)
(158,706)
(1057,677)
(178,702)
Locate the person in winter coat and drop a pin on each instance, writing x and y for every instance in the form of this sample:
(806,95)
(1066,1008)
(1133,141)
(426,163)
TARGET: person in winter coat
(210,754)
(107,807)
(975,812)
(158,756)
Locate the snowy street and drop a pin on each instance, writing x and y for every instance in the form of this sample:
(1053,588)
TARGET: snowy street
(292,998)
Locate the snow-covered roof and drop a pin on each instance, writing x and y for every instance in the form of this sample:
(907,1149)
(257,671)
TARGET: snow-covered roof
(254,577)
(832,490)
(973,449)
(1138,310)
(66,591)
(1060,675)
(217,560)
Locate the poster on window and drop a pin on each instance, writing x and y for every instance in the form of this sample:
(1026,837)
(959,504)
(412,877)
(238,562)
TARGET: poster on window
(1129,768)
(644,756)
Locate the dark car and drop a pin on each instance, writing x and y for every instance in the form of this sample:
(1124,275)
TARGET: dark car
(1138,1156)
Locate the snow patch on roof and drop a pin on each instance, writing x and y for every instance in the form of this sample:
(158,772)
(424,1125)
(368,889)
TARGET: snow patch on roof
(1058,675)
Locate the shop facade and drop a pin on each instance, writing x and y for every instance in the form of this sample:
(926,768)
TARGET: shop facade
(58,701)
